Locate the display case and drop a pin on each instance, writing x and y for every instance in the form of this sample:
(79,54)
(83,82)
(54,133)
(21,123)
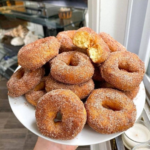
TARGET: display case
(42,18)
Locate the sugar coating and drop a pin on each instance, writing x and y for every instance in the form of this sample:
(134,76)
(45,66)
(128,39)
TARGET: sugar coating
(65,38)
(72,68)
(81,90)
(109,111)
(112,43)
(131,94)
(71,108)
(113,70)
(35,94)
(29,79)
(36,54)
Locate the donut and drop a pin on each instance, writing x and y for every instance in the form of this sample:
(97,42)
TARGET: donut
(23,81)
(109,111)
(67,105)
(113,70)
(34,95)
(72,68)
(97,49)
(81,90)
(112,43)
(65,38)
(131,94)
(36,54)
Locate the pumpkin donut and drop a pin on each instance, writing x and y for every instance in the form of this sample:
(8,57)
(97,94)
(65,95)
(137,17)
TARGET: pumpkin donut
(81,90)
(71,108)
(72,68)
(36,54)
(34,95)
(65,38)
(23,81)
(110,111)
(124,70)
(112,43)
(97,49)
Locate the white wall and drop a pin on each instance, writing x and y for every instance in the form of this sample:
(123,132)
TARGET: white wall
(113,18)
(136,27)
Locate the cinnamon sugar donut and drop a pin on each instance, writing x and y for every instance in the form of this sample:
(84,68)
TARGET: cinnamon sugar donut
(65,38)
(71,108)
(72,68)
(112,43)
(113,70)
(81,90)
(34,95)
(36,54)
(23,81)
(131,94)
(110,111)
(97,49)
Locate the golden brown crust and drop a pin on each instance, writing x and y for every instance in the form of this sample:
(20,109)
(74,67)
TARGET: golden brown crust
(110,111)
(71,108)
(113,70)
(72,68)
(65,38)
(36,54)
(81,90)
(23,81)
(97,49)
(112,43)
(131,94)
(34,95)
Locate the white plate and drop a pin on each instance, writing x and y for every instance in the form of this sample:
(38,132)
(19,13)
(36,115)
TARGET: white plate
(26,115)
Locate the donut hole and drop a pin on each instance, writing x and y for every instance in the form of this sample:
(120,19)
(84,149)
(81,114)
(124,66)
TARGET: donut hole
(74,61)
(40,86)
(125,67)
(111,105)
(58,117)
(20,74)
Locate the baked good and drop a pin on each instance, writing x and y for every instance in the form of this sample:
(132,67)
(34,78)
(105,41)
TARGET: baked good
(110,111)
(81,90)
(65,38)
(34,95)
(112,43)
(72,68)
(68,106)
(131,94)
(124,70)
(97,49)
(23,81)
(36,54)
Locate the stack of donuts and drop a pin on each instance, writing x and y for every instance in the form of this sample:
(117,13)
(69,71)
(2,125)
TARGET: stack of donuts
(78,77)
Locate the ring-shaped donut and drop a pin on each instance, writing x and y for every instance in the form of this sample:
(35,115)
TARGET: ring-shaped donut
(36,54)
(23,81)
(124,70)
(69,107)
(110,111)
(81,90)
(72,68)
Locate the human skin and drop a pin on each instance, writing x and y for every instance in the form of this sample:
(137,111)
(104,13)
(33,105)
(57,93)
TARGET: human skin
(43,144)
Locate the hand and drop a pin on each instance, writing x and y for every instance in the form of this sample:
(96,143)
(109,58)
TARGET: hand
(43,144)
